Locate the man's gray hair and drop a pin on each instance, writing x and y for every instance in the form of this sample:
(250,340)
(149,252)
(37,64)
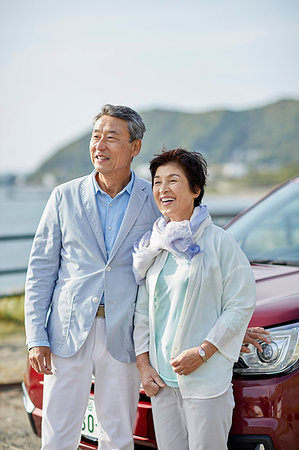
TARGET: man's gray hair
(136,126)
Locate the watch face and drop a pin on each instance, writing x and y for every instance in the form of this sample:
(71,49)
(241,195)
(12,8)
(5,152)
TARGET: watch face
(202,353)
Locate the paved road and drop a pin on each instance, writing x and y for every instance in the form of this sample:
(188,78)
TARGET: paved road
(15,430)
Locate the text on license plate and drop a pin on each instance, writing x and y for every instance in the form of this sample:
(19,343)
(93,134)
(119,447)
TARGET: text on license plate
(90,423)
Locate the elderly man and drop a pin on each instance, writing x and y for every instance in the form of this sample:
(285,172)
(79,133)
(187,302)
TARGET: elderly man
(80,289)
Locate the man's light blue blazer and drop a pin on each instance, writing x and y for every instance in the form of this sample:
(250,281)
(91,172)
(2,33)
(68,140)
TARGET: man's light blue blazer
(68,270)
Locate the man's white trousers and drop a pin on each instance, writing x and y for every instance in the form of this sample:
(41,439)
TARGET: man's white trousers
(66,395)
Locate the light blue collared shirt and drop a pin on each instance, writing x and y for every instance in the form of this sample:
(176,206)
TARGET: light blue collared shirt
(112,210)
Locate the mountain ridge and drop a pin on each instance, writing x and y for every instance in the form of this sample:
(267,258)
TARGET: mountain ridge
(265,135)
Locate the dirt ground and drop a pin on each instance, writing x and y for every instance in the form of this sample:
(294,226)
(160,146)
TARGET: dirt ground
(15,429)
(13,355)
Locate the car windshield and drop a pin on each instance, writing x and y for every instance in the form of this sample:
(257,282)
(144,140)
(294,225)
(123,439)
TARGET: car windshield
(269,232)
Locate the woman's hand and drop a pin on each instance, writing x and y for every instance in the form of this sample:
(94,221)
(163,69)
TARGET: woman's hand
(187,361)
(190,360)
(252,336)
(150,379)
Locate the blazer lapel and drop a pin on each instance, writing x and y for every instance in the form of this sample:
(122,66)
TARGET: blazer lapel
(91,209)
(137,199)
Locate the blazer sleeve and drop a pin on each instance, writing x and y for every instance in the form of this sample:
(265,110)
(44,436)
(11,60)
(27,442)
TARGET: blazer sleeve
(43,270)
(238,299)
(141,321)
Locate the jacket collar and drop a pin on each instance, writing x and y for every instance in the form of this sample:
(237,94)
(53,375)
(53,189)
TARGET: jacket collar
(91,209)
(137,199)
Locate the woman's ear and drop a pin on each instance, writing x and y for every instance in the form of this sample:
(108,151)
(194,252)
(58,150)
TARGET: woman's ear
(197,192)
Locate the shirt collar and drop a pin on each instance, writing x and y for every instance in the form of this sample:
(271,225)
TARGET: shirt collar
(128,188)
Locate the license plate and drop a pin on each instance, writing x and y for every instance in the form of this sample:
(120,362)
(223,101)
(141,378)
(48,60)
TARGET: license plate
(90,423)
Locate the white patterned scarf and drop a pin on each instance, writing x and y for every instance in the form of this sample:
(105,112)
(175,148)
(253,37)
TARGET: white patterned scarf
(175,237)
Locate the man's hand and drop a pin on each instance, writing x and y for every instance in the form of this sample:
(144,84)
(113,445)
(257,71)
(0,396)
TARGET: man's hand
(40,360)
(252,336)
(150,379)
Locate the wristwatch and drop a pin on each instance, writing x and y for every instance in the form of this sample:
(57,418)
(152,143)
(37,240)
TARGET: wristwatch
(202,353)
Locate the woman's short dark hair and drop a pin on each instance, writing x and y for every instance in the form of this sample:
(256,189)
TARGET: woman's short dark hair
(193,164)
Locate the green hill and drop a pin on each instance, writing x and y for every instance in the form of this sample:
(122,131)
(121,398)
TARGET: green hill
(260,137)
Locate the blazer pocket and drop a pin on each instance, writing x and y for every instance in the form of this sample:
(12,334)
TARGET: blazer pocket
(60,317)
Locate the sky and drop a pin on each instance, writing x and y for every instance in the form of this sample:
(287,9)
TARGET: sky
(60,61)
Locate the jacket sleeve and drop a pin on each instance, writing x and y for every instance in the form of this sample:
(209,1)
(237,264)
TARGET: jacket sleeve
(141,321)
(238,299)
(42,270)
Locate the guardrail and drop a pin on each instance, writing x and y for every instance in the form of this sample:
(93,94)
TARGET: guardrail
(15,270)
(14,238)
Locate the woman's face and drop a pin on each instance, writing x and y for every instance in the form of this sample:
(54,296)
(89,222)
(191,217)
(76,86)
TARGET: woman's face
(172,193)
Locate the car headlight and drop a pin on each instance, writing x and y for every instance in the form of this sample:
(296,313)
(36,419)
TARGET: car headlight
(277,357)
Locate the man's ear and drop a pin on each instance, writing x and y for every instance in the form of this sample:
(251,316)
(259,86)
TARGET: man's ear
(136,147)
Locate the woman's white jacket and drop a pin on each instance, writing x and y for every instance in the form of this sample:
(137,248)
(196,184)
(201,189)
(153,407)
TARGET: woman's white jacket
(219,303)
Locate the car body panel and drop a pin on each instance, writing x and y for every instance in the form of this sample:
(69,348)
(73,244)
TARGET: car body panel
(277,289)
(268,406)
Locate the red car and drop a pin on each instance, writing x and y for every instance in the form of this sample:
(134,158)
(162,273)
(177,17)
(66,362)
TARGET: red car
(266,385)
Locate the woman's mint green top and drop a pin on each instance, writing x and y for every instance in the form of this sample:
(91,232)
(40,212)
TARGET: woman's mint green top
(169,298)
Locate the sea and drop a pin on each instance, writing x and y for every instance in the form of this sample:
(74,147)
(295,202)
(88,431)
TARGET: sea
(21,208)
(20,211)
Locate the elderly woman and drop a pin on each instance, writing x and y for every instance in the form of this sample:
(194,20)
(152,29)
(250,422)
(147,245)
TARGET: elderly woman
(192,309)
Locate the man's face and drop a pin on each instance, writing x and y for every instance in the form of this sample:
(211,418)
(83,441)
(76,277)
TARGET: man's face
(111,151)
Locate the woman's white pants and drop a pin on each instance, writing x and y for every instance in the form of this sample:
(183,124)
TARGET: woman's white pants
(191,424)
(66,395)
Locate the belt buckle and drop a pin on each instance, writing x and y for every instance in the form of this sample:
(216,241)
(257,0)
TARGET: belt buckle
(101,312)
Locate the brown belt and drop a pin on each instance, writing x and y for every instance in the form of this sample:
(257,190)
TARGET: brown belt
(101,311)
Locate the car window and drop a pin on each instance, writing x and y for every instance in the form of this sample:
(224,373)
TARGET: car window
(270,230)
